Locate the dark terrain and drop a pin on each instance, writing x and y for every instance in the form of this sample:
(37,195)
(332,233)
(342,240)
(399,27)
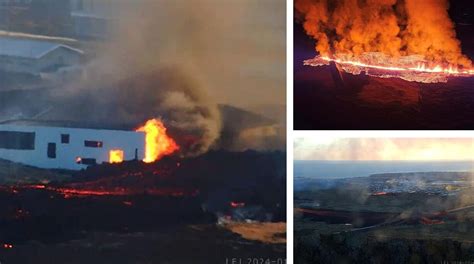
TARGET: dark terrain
(165,212)
(352,221)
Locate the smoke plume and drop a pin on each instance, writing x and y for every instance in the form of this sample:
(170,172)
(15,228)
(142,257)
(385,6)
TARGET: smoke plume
(393,27)
(146,70)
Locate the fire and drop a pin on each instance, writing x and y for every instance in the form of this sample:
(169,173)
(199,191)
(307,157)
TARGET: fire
(116,156)
(158,143)
(396,28)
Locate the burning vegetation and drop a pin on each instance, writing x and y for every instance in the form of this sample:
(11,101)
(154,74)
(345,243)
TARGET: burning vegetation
(412,40)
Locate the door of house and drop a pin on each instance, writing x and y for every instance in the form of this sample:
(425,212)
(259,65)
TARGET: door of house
(51,150)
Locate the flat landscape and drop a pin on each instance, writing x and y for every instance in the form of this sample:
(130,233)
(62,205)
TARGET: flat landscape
(381,218)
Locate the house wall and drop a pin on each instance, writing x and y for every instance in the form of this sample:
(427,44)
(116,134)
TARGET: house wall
(66,154)
(17,64)
(59,56)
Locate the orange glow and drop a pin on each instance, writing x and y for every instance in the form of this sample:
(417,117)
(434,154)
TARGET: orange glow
(158,143)
(237,204)
(116,156)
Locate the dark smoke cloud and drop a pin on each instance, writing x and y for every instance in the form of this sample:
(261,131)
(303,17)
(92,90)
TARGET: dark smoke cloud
(165,93)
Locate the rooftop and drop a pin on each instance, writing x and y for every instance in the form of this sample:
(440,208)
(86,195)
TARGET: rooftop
(69,124)
(28,48)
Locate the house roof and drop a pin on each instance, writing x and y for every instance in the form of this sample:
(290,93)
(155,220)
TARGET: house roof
(27,48)
(89,15)
(70,124)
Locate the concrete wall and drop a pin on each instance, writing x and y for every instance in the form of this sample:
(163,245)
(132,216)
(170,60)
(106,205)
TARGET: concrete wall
(66,154)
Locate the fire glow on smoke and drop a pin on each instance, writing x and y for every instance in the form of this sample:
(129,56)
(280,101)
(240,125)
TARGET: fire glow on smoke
(158,143)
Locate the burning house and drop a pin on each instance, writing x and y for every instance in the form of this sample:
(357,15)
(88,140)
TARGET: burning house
(68,147)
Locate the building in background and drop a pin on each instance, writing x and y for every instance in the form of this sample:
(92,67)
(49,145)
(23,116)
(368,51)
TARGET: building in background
(93,18)
(44,17)
(35,57)
(86,19)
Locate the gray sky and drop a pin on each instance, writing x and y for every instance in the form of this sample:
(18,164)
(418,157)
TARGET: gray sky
(236,48)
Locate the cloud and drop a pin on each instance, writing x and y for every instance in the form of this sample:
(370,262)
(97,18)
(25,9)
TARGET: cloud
(385,149)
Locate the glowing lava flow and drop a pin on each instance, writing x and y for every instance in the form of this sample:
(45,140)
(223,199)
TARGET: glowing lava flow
(410,68)
(421,67)
(158,143)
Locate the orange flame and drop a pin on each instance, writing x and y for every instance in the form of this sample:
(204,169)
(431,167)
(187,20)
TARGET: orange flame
(116,156)
(158,143)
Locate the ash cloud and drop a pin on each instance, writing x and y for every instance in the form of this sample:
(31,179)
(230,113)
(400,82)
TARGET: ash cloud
(393,27)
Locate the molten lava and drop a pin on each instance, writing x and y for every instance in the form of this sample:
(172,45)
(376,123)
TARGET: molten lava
(158,143)
(7,246)
(116,156)
(409,68)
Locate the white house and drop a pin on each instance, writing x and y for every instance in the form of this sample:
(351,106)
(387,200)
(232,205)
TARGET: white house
(68,148)
(35,56)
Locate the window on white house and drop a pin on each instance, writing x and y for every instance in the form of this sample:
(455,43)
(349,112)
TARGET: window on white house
(65,138)
(17,140)
(93,144)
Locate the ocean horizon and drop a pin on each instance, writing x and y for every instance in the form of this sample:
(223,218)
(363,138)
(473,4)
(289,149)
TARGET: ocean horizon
(323,169)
